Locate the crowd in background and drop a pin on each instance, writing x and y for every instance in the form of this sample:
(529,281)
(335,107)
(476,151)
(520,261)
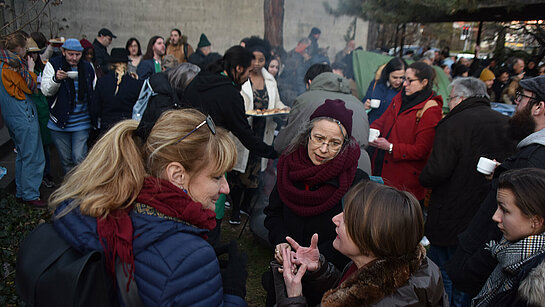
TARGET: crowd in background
(342,167)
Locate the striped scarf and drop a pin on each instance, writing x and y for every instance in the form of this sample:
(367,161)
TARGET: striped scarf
(511,257)
(16,63)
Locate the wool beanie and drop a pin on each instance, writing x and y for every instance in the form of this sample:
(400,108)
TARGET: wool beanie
(535,85)
(337,110)
(203,41)
(487,75)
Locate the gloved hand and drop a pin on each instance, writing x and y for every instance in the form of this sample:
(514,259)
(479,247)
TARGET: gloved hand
(235,274)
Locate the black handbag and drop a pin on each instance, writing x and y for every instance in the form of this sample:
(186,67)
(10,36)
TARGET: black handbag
(50,272)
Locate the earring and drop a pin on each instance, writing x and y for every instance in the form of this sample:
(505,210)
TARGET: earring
(181,187)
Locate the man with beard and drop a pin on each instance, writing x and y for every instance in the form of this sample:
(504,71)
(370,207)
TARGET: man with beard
(177,47)
(471,265)
(216,92)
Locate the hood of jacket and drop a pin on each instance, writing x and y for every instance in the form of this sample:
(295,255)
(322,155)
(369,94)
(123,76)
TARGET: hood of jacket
(537,137)
(81,231)
(206,80)
(331,82)
(532,288)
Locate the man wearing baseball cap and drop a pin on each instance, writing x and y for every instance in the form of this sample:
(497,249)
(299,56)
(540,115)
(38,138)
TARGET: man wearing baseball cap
(100,44)
(68,82)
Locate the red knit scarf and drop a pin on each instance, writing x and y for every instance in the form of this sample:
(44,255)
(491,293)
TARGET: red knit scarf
(296,168)
(115,231)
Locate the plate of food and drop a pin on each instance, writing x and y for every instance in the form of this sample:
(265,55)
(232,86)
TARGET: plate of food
(268,112)
(58,40)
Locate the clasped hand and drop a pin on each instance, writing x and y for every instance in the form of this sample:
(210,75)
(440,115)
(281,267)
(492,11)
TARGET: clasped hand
(380,143)
(298,261)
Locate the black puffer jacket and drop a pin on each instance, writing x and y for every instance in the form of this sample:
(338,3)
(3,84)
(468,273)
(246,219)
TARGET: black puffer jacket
(471,265)
(215,94)
(471,130)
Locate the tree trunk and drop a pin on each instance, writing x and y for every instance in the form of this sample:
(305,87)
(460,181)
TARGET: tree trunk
(372,35)
(274,22)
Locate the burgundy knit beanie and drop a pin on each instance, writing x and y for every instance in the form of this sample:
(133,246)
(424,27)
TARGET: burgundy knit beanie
(335,109)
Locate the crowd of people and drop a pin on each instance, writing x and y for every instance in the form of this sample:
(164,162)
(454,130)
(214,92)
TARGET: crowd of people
(376,199)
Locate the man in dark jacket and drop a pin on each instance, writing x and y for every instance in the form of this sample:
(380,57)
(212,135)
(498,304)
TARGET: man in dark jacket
(290,82)
(204,55)
(100,44)
(470,130)
(217,93)
(471,265)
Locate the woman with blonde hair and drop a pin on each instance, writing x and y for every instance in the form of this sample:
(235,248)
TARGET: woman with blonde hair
(151,205)
(379,230)
(21,118)
(115,93)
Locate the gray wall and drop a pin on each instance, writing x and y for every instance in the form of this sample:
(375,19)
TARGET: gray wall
(225,22)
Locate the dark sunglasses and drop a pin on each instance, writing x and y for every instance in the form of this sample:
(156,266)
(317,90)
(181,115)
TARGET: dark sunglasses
(208,121)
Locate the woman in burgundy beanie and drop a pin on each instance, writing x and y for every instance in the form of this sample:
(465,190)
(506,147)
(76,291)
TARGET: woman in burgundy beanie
(313,175)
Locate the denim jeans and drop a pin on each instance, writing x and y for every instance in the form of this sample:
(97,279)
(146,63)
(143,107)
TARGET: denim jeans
(72,147)
(440,255)
(21,119)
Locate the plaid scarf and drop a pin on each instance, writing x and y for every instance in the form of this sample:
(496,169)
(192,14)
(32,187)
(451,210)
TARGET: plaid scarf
(511,257)
(16,63)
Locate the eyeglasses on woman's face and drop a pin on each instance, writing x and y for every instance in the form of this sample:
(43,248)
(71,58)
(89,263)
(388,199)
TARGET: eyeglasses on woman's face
(318,140)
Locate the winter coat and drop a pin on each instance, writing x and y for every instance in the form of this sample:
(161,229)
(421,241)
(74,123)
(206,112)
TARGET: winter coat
(174,265)
(327,86)
(215,94)
(145,69)
(372,284)
(198,58)
(281,221)
(58,93)
(471,264)
(383,92)
(165,98)
(270,124)
(179,51)
(101,56)
(113,107)
(291,81)
(469,131)
(412,139)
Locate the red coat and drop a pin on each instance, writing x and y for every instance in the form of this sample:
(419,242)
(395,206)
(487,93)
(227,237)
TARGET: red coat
(412,143)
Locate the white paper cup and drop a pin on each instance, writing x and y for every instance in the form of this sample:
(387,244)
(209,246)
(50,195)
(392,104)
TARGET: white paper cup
(373,134)
(375,103)
(486,166)
(72,74)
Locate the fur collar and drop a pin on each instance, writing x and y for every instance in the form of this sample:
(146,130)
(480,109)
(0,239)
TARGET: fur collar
(532,288)
(374,281)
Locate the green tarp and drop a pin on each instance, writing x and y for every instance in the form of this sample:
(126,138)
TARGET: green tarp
(366,64)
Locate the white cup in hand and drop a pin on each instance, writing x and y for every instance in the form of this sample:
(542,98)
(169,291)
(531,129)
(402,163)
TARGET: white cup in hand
(375,103)
(486,166)
(373,134)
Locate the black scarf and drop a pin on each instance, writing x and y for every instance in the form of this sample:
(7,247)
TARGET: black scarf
(82,82)
(409,101)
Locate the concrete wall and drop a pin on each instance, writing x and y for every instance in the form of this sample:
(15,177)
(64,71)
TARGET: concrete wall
(225,22)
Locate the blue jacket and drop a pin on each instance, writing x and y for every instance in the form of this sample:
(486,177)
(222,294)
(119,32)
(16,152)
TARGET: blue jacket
(58,93)
(384,93)
(145,69)
(174,266)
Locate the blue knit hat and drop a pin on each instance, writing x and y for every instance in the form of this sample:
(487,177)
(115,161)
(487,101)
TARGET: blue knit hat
(72,44)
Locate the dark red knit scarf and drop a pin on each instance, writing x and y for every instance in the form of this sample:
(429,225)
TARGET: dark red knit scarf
(296,168)
(115,231)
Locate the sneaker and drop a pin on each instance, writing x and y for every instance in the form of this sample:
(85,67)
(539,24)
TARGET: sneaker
(234,222)
(48,183)
(38,203)
(227,204)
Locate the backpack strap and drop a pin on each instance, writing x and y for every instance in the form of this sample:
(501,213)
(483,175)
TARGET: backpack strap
(185,50)
(130,297)
(430,103)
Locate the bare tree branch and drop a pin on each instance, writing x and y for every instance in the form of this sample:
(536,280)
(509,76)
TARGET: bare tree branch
(46,2)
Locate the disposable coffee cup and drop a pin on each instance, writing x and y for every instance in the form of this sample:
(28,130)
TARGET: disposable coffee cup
(373,134)
(72,74)
(486,166)
(375,103)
